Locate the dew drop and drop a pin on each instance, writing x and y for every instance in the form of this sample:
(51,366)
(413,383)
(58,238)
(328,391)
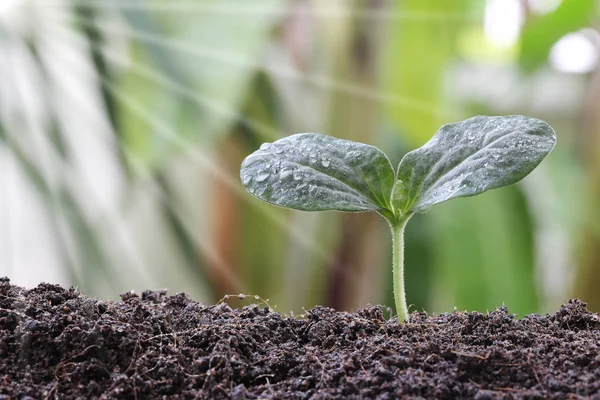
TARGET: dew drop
(353,156)
(301,186)
(298,176)
(285,173)
(246,179)
(262,176)
(265,146)
(325,163)
(278,150)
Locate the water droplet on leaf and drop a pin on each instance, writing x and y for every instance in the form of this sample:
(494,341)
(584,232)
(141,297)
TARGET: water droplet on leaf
(262,176)
(285,173)
(246,179)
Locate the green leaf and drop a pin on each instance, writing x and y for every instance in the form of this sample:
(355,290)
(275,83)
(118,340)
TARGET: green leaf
(315,172)
(470,157)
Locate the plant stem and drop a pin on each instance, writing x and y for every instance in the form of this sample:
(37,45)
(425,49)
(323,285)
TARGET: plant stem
(397,227)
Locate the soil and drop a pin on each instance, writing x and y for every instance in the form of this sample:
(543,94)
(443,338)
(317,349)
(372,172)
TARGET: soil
(58,343)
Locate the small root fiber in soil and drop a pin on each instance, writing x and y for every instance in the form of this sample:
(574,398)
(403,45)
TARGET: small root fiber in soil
(58,343)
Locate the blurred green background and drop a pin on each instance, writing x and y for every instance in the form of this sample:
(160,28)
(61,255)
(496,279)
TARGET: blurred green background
(123,125)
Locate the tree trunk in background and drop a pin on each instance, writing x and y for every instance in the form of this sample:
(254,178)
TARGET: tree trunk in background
(588,274)
(359,266)
(357,269)
(225,217)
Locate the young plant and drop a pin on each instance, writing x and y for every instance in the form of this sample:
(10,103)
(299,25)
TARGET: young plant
(315,172)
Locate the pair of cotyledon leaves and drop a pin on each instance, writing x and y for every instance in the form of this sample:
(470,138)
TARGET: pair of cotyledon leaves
(316,172)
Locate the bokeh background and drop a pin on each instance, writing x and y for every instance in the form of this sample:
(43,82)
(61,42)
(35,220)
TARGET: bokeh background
(123,124)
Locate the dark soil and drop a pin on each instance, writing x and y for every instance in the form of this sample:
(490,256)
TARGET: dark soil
(58,343)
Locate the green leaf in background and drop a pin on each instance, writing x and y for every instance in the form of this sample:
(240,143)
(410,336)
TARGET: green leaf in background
(470,157)
(541,33)
(315,172)
(415,59)
(483,256)
(201,67)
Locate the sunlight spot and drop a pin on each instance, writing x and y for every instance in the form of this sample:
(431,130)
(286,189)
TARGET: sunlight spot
(502,23)
(543,6)
(7,6)
(575,53)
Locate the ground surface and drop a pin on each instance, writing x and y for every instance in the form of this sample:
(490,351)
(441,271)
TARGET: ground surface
(57,343)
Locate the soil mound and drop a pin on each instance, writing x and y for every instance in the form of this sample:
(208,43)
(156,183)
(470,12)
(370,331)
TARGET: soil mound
(58,343)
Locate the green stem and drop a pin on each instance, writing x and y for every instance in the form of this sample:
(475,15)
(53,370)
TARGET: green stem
(398,266)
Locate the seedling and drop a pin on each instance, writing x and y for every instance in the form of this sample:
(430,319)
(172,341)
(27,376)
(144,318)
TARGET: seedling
(315,172)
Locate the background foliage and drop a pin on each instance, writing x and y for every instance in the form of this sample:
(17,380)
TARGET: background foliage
(123,125)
